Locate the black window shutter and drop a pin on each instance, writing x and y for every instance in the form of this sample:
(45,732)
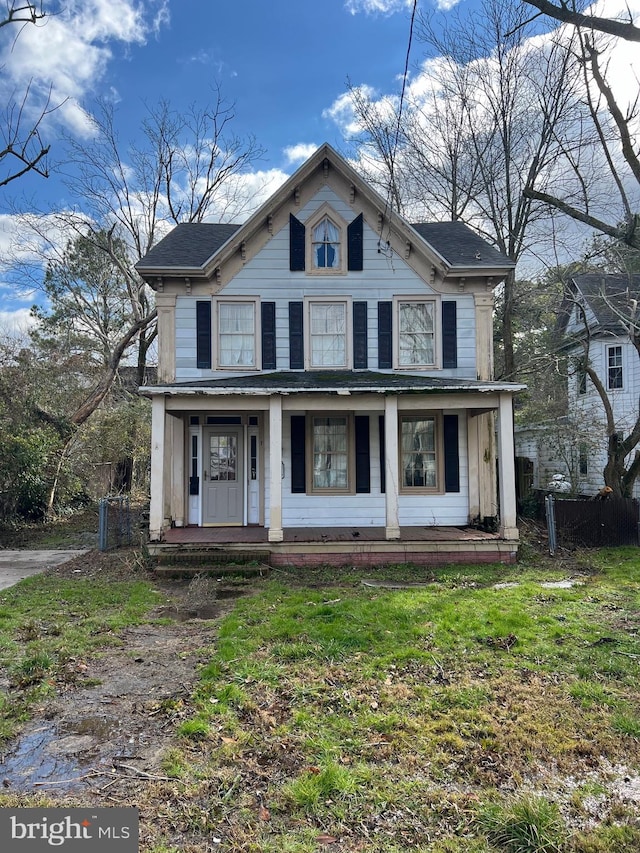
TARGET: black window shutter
(268,329)
(363,473)
(203,335)
(296,349)
(381,438)
(354,244)
(359,335)
(384,334)
(296,244)
(451,458)
(449,334)
(298,475)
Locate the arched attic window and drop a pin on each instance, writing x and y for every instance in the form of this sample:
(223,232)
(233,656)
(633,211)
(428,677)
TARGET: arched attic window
(325,245)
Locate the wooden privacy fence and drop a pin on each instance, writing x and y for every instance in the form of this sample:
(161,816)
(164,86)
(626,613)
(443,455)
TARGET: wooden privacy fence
(595,523)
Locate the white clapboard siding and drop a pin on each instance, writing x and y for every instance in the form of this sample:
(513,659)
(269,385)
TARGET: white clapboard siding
(266,276)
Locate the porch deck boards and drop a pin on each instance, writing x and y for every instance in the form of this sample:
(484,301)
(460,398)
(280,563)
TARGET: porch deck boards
(257,535)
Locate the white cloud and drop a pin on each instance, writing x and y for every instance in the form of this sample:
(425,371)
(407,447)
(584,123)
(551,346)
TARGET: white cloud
(63,59)
(297,154)
(16,323)
(380,7)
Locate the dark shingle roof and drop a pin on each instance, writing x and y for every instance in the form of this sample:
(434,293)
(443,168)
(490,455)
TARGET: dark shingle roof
(189,244)
(459,245)
(607,295)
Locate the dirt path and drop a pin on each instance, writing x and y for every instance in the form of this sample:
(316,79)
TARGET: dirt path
(116,719)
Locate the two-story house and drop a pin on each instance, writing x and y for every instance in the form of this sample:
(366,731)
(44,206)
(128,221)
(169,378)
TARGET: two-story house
(325,383)
(597,315)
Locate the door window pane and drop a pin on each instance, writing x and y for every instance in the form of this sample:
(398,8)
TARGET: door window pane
(223,457)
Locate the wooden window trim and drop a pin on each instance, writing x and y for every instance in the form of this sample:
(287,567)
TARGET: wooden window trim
(608,349)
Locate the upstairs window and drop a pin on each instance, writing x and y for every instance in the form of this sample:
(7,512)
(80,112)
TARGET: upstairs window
(236,334)
(328,334)
(614,367)
(325,249)
(582,377)
(416,334)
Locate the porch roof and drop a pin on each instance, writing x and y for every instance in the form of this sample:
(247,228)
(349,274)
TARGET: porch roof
(331,382)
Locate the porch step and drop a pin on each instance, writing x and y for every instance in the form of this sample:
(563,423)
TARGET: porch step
(174,560)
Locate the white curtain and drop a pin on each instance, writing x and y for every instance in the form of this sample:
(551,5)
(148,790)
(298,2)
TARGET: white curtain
(416,329)
(326,245)
(418,438)
(236,334)
(328,335)
(330,453)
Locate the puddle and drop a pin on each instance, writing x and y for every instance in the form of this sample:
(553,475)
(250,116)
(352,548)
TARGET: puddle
(41,757)
(52,753)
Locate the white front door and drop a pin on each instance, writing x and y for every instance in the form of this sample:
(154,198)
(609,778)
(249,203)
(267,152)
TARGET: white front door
(223,486)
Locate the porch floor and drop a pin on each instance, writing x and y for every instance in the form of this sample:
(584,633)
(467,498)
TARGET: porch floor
(257,534)
(337,545)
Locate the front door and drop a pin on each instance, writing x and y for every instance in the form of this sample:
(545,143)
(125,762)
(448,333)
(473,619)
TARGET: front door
(223,490)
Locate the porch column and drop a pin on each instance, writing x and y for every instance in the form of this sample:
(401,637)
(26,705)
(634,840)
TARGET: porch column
(507,468)
(275,468)
(178,484)
(156,508)
(392,528)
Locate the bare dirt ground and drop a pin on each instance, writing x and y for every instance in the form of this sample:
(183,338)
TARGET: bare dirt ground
(110,727)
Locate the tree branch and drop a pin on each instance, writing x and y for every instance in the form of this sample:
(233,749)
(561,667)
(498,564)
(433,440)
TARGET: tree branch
(622,29)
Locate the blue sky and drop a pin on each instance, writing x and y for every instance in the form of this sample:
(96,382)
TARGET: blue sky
(285,64)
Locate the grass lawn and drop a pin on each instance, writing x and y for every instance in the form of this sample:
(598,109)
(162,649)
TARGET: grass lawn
(473,710)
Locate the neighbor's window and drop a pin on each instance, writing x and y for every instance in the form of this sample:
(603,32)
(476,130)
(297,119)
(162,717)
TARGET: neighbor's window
(236,334)
(416,334)
(330,449)
(418,455)
(328,334)
(326,245)
(582,377)
(583,459)
(614,367)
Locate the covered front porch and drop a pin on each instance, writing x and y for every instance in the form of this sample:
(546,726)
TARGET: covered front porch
(355,546)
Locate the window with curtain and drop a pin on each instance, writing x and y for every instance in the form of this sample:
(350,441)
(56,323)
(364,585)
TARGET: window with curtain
(330,446)
(236,334)
(328,334)
(416,334)
(326,245)
(418,454)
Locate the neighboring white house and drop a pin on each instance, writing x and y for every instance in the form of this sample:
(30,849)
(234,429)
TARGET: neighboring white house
(597,308)
(328,365)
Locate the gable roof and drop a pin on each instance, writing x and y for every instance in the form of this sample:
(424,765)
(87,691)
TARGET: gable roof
(196,249)
(607,297)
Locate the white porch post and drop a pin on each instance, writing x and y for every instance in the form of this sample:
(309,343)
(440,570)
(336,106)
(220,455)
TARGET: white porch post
(178,484)
(507,468)
(156,509)
(392,528)
(275,468)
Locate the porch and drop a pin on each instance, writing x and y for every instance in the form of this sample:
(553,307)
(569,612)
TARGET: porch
(313,546)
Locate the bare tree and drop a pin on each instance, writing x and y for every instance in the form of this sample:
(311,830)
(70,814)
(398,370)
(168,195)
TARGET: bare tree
(603,197)
(22,149)
(568,12)
(489,125)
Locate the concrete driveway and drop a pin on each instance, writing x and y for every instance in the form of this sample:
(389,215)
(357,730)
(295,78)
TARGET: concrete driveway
(16,565)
